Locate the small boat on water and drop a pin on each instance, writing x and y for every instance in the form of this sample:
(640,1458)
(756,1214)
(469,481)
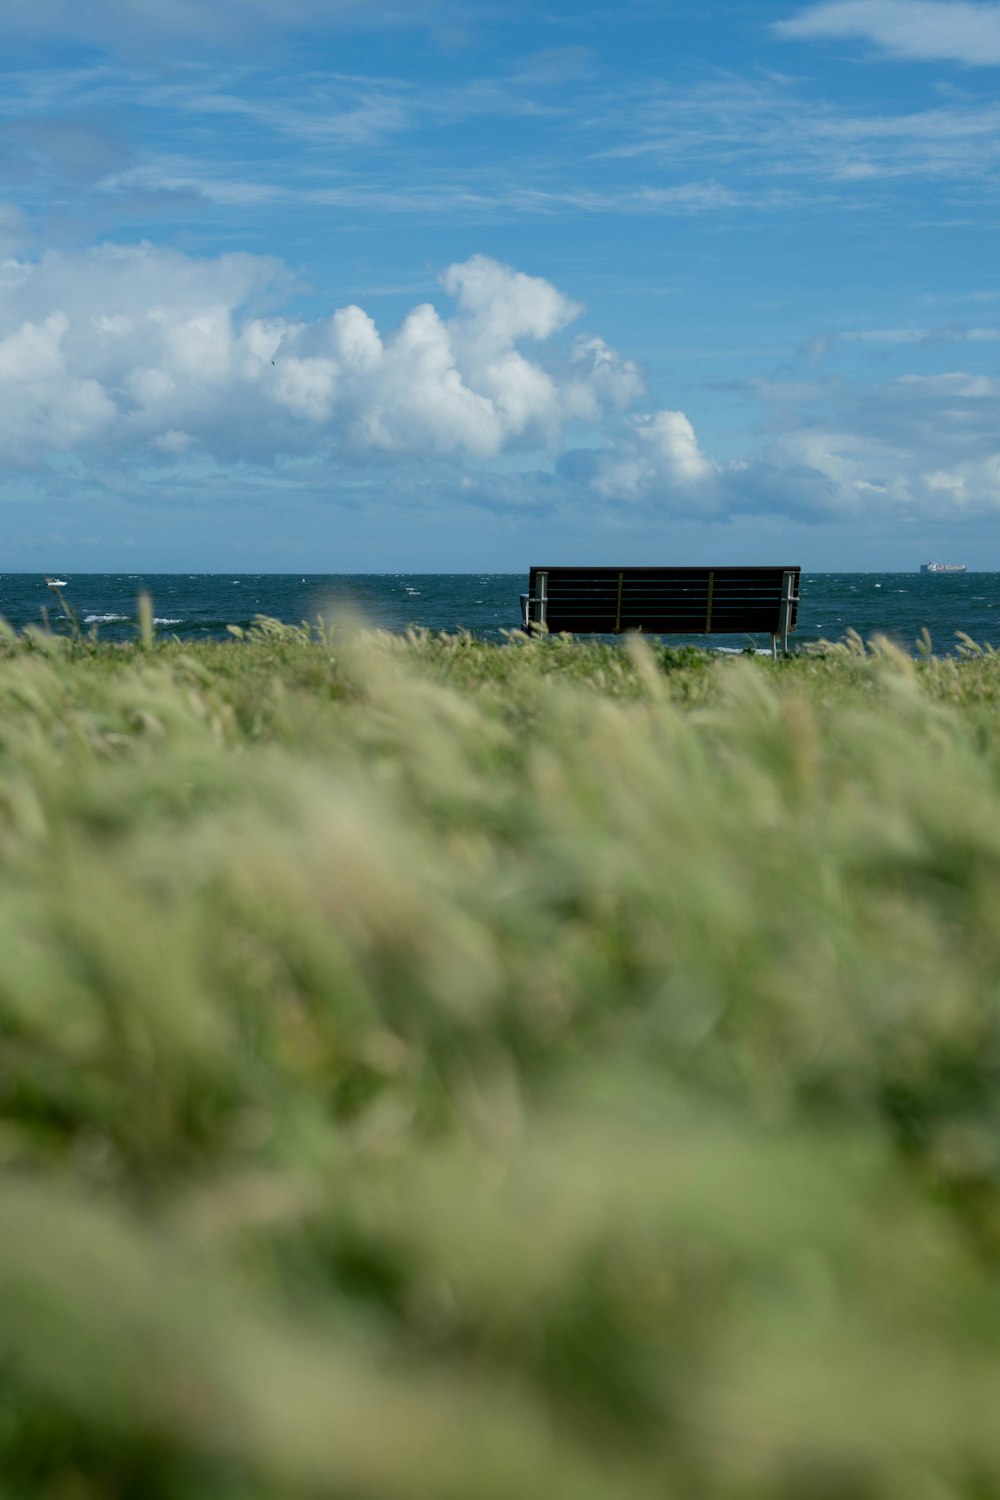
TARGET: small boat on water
(56,583)
(942,567)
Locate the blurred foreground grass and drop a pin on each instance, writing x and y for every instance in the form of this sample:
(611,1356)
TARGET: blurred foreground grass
(439,1071)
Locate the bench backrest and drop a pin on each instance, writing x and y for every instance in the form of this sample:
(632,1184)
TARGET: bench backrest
(664,601)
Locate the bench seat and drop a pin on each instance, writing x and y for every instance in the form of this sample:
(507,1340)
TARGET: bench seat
(663,601)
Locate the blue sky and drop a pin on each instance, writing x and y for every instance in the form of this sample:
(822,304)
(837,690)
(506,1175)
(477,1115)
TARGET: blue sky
(351,285)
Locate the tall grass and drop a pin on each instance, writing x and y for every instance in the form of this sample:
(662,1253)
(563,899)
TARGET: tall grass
(439,1071)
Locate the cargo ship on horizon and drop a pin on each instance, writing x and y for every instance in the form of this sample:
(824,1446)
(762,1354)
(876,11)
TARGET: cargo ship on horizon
(942,567)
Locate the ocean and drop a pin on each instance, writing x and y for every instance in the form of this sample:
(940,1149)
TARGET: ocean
(200,606)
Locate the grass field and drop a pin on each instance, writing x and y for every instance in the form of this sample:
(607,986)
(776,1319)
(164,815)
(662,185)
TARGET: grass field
(440,1071)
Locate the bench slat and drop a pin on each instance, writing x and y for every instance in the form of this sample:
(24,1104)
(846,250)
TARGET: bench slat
(604,624)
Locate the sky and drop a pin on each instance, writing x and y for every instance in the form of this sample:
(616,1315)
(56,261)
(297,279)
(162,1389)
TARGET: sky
(461,285)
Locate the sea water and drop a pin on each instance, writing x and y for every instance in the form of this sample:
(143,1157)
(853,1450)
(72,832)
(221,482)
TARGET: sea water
(199,606)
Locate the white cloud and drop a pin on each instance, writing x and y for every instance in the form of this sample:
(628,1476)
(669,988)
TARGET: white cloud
(925,30)
(47,406)
(921,446)
(918,447)
(500,304)
(652,459)
(138,360)
(955,383)
(817,349)
(773,129)
(655,450)
(207,138)
(600,380)
(123,350)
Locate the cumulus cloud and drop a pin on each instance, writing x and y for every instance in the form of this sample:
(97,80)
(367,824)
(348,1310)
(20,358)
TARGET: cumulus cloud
(168,364)
(125,350)
(921,447)
(925,30)
(917,447)
(652,455)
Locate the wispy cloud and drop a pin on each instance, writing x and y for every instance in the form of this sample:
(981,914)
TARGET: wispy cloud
(720,147)
(724,146)
(487,193)
(948,333)
(679,200)
(924,30)
(178,175)
(139,26)
(345,112)
(773,128)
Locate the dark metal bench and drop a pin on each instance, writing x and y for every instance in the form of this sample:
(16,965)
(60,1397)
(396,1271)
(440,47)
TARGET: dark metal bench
(663,601)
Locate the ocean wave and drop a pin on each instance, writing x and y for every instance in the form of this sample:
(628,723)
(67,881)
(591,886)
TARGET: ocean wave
(739,650)
(115,619)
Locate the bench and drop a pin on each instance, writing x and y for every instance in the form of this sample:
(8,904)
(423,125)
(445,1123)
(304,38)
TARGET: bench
(663,601)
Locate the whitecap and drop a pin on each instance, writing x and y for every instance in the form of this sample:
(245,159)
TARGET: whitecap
(102,619)
(158,620)
(739,650)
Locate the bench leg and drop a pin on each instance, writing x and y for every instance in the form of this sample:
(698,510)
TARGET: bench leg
(789,599)
(774,646)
